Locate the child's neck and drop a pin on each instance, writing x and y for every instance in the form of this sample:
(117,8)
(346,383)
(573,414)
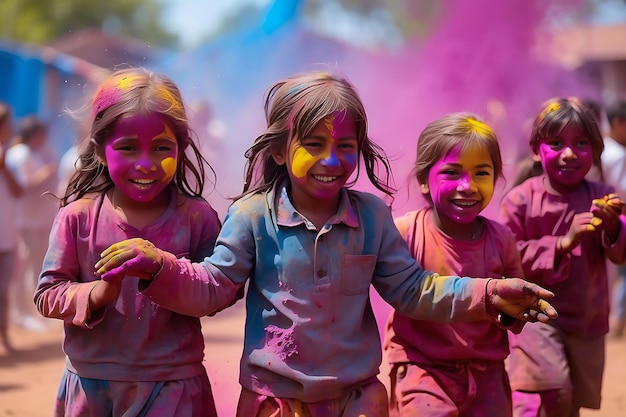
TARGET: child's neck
(559,189)
(139,214)
(462,232)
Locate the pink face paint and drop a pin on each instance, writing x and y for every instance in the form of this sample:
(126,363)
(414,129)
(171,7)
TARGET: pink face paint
(461,184)
(320,164)
(566,158)
(141,155)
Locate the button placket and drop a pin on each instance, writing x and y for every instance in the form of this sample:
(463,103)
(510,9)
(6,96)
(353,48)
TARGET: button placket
(322,256)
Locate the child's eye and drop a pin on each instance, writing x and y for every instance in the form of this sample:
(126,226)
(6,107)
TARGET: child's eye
(347,146)
(125,148)
(450,172)
(163,148)
(483,173)
(314,147)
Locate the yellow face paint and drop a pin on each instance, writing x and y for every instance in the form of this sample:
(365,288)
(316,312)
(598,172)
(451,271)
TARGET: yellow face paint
(476,160)
(302,160)
(168,164)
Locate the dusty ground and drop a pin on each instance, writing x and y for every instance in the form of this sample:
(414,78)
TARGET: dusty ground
(29,378)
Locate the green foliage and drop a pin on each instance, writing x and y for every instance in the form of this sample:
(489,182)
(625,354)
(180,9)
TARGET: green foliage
(41,21)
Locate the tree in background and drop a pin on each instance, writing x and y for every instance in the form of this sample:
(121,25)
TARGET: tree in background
(40,21)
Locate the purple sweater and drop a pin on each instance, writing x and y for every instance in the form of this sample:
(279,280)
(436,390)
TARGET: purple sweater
(579,278)
(132,339)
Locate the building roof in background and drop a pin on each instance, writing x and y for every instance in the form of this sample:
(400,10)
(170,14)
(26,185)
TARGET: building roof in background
(581,44)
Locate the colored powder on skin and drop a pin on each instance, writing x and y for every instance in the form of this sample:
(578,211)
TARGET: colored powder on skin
(169,167)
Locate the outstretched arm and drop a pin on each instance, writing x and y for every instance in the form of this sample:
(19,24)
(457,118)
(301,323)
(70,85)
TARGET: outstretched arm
(182,286)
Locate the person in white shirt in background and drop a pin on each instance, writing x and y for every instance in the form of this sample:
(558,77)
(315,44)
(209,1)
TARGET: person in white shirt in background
(34,166)
(9,191)
(614,173)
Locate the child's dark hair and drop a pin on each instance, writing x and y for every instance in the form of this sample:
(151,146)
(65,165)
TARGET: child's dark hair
(293,107)
(616,110)
(5,112)
(130,92)
(559,112)
(29,127)
(446,133)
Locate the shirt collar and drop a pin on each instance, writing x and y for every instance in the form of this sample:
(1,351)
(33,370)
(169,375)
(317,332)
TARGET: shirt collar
(285,213)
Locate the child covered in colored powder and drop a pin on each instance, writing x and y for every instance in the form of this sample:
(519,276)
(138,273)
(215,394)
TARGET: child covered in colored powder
(566,227)
(127,355)
(457,368)
(311,248)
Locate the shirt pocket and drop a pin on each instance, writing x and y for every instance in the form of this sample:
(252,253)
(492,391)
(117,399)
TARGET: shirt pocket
(356,273)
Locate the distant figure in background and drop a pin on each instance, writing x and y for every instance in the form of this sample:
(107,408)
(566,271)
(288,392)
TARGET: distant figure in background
(209,132)
(614,170)
(34,166)
(9,191)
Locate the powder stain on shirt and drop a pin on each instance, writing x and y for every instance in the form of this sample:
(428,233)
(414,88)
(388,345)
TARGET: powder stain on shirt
(281,341)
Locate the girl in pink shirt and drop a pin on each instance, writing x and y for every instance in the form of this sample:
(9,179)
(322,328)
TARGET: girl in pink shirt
(125,354)
(566,228)
(456,369)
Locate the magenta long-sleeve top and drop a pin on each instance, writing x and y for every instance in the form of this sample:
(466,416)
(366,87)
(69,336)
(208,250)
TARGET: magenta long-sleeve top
(133,338)
(578,278)
(493,255)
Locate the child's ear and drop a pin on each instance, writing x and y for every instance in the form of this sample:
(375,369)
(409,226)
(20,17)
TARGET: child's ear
(536,156)
(425,188)
(98,151)
(278,153)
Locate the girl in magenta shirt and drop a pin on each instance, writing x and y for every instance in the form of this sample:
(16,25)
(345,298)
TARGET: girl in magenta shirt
(454,369)
(127,355)
(566,228)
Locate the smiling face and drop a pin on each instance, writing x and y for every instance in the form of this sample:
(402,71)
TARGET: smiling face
(566,158)
(141,154)
(321,163)
(460,185)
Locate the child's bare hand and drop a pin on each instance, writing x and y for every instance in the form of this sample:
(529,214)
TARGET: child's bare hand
(582,223)
(608,210)
(136,257)
(521,299)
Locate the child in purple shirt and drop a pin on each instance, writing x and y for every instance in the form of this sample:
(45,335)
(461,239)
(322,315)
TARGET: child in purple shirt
(125,354)
(458,368)
(311,248)
(566,228)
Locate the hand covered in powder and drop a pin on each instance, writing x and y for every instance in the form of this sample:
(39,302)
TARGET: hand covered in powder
(521,299)
(608,209)
(581,223)
(136,257)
